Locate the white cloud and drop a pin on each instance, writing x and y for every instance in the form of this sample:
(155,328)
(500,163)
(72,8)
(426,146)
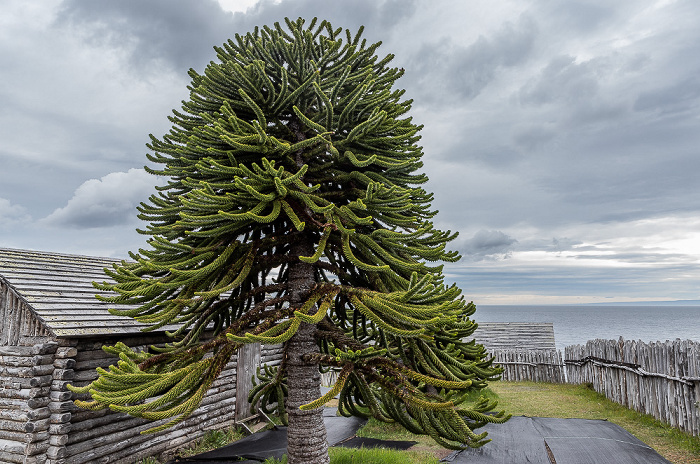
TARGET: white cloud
(105,202)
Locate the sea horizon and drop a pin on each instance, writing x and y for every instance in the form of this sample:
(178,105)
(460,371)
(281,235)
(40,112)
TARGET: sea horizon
(578,323)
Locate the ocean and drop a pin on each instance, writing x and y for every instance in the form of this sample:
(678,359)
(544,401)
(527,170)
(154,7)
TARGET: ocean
(576,324)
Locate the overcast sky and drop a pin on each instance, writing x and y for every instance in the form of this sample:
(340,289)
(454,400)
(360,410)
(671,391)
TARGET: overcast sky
(562,139)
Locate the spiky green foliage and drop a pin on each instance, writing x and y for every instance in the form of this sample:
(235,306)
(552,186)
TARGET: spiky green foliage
(297,135)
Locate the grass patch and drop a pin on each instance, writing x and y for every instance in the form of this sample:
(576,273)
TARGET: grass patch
(579,401)
(371,456)
(212,440)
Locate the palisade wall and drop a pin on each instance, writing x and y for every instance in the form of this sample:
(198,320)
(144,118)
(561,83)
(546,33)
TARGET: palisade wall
(531,365)
(658,378)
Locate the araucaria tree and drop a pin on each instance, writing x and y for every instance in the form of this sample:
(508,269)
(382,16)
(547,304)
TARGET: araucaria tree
(293,214)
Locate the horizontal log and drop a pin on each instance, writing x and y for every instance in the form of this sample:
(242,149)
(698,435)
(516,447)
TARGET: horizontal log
(92,364)
(36,403)
(58,440)
(66,352)
(63,374)
(38,414)
(64,363)
(85,414)
(103,432)
(25,393)
(6,371)
(60,385)
(84,376)
(13,415)
(60,417)
(13,426)
(13,404)
(24,437)
(60,429)
(153,444)
(62,406)
(25,382)
(46,348)
(24,427)
(33,350)
(26,361)
(87,429)
(56,452)
(91,423)
(11,458)
(60,395)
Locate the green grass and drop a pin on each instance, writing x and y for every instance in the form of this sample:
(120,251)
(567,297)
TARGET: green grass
(371,456)
(212,440)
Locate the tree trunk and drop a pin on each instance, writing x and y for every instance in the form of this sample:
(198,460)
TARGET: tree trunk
(306,436)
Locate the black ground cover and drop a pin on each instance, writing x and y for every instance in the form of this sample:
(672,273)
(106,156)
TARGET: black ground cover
(570,441)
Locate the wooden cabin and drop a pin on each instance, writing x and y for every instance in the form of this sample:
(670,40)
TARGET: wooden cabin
(52,330)
(525,350)
(530,336)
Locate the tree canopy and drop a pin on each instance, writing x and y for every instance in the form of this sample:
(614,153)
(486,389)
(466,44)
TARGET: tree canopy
(294,213)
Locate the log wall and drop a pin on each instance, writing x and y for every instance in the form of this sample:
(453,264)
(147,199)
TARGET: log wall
(39,423)
(661,378)
(108,437)
(26,413)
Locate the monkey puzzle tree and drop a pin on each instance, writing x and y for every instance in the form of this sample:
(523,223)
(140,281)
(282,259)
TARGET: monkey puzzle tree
(293,215)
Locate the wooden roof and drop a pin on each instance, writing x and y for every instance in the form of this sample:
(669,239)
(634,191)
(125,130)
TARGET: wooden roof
(58,289)
(516,335)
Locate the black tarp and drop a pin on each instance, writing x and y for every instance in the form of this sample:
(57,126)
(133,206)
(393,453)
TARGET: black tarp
(571,441)
(273,443)
(516,441)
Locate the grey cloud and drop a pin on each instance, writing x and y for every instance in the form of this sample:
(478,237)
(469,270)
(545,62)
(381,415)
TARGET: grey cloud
(637,258)
(584,17)
(675,98)
(178,32)
(499,278)
(182,33)
(553,245)
(534,136)
(105,202)
(11,215)
(380,18)
(394,11)
(444,70)
(488,244)
(562,79)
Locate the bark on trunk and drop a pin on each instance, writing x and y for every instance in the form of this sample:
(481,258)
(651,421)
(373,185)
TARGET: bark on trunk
(306,436)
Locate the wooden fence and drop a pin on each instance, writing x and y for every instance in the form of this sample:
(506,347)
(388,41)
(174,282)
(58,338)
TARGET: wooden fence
(536,366)
(518,364)
(661,378)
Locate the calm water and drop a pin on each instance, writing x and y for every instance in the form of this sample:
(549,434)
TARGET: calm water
(574,324)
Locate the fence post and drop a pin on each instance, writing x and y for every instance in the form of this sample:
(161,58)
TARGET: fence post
(248,362)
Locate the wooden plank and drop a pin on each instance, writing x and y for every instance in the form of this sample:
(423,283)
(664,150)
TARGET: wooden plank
(248,362)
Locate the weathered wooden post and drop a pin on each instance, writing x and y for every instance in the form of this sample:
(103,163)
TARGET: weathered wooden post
(248,362)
